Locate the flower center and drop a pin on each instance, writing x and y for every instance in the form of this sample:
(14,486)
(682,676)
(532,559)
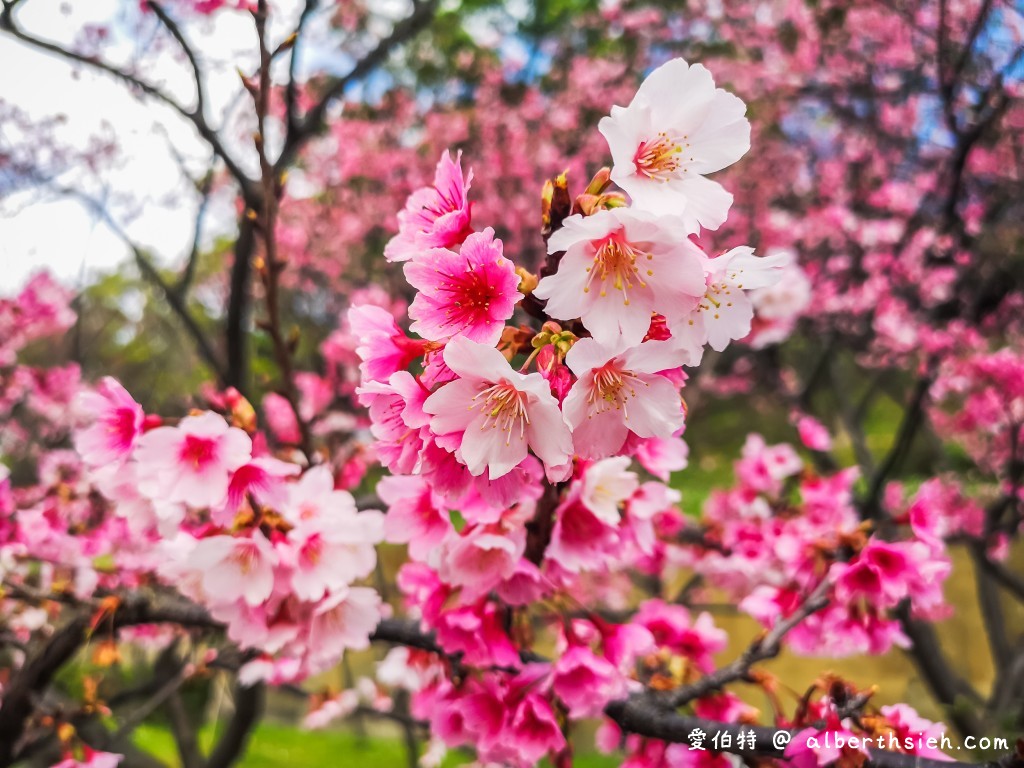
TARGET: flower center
(660,158)
(312,550)
(121,426)
(504,407)
(246,556)
(197,451)
(715,296)
(470,299)
(615,261)
(611,389)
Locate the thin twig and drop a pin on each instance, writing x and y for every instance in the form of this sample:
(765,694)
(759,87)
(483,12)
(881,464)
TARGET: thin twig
(763,648)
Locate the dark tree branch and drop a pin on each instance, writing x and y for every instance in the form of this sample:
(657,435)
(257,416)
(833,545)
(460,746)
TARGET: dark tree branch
(990,604)
(204,186)
(194,116)
(1011,581)
(272,266)
(642,715)
(913,415)
(184,731)
(249,704)
(190,54)
(765,647)
(648,714)
(972,37)
(313,122)
(291,90)
(236,331)
(174,297)
(851,422)
(39,669)
(950,690)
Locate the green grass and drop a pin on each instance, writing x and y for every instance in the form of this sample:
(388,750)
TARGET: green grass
(274,745)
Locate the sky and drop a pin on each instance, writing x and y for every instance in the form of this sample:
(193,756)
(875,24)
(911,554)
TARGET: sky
(146,191)
(41,230)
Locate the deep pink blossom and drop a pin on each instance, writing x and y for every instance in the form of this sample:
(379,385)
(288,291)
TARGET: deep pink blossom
(586,682)
(434,217)
(116,423)
(470,293)
(192,462)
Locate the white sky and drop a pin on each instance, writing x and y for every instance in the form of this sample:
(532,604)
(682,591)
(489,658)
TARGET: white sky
(63,235)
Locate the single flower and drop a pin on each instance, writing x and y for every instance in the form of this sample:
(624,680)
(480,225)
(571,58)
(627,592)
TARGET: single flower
(678,128)
(619,267)
(619,391)
(495,414)
(470,293)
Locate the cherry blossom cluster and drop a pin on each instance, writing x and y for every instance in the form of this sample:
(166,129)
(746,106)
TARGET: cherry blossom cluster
(100,501)
(784,529)
(980,405)
(835,739)
(515,489)
(272,551)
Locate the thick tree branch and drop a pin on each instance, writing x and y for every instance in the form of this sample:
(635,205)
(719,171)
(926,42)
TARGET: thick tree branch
(249,702)
(951,691)
(236,331)
(39,669)
(184,731)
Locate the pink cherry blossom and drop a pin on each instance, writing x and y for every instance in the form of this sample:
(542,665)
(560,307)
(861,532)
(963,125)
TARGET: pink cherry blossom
(415,516)
(678,128)
(619,392)
(344,620)
(581,541)
(725,311)
(811,748)
(586,682)
(117,423)
(620,266)
(398,420)
(914,734)
(673,628)
(333,551)
(496,413)
(607,484)
(481,559)
(813,434)
(470,293)
(434,217)
(93,759)
(191,463)
(382,346)
(534,730)
(236,568)
(264,478)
